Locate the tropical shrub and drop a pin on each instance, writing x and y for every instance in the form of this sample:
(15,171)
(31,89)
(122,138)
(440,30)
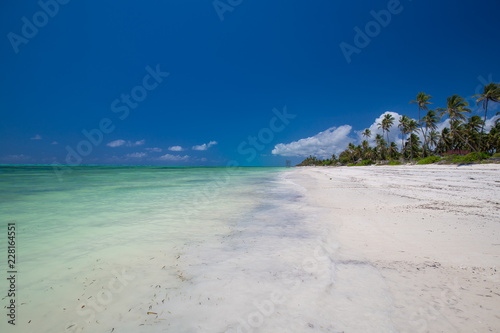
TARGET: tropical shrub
(470,158)
(429,160)
(365,162)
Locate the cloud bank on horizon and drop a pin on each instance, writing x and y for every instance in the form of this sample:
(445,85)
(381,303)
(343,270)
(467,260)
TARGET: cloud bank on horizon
(149,155)
(323,144)
(334,140)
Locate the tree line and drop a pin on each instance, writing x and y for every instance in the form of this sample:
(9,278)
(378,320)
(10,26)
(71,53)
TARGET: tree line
(465,134)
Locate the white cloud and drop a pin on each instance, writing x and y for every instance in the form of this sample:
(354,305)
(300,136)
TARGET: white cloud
(170,157)
(118,143)
(54,143)
(136,155)
(16,158)
(154,150)
(175,148)
(490,123)
(135,144)
(204,146)
(323,144)
(36,137)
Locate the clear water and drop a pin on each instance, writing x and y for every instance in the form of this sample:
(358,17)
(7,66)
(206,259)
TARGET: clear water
(155,249)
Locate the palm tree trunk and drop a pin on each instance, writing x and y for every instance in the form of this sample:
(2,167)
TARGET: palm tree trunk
(402,142)
(466,141)
(484,122)
(411,147)
(426,142)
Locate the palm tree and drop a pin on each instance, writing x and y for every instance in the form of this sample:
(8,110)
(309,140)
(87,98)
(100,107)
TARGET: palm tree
(367,133)
(381,145)
(491,93)
(458,138)
(382,149)
(430,120)
(456,106)
(393,150)
(493,139)
(353,152)
(358,153)
(403,125)
(413,142)
(411,127)
(472,133)
(422,101)
(445,140)
(371,154)
(433,139)
(386,124)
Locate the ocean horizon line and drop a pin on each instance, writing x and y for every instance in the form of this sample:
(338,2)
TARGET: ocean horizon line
(137,165)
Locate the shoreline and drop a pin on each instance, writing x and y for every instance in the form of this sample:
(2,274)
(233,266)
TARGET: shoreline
(430,232)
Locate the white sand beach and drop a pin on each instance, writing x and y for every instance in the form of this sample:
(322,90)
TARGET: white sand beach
(377,249)
(421,241)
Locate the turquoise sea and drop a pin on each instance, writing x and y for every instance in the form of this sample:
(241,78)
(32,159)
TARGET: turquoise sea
(159,249)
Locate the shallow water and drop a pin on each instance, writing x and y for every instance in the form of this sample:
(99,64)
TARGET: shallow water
(150,249)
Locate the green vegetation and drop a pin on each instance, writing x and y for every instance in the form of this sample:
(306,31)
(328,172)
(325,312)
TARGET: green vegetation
(470,158)
(362,163)
(311,161)
(429,160)
(463,141)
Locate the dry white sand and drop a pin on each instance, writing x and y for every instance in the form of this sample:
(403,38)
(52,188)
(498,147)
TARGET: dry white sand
(421,242)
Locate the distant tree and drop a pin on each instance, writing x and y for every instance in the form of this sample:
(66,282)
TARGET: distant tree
(412,126)
(473,131)
(491,93)
(403,127)
(381,147)
(456,107)
(422,101)
(393,150)
(367,133)
(386,124)
(445,140)
(433,139)
(429,120)
(310,161)
(413,144)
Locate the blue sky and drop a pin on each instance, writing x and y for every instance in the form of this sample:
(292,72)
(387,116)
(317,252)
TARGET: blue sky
(171,83)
